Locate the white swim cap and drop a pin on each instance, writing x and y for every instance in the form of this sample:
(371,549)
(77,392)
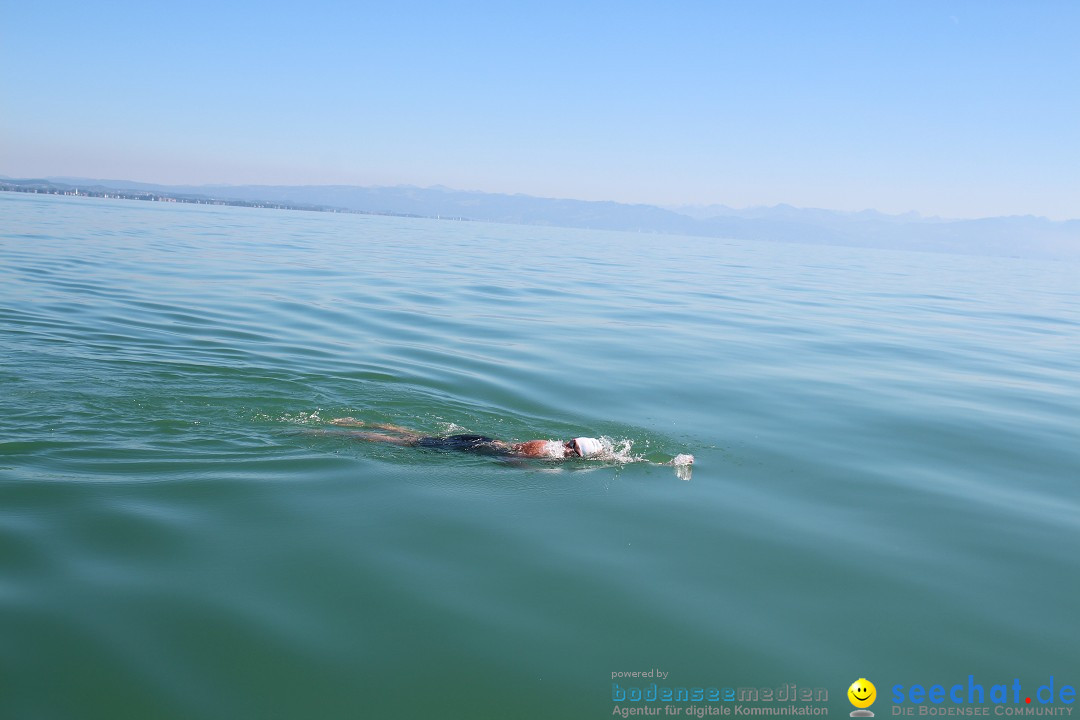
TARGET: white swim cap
(588,446)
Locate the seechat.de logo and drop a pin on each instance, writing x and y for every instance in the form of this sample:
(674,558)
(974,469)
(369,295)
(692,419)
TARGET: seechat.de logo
(862,695)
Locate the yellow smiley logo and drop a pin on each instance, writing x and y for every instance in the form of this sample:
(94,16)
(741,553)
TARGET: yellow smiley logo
(862,693)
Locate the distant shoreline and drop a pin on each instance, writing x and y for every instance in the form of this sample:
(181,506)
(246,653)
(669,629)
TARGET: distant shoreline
(39,187)
(1014,237)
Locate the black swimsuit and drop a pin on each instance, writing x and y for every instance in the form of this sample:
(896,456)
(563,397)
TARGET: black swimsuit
(480,444)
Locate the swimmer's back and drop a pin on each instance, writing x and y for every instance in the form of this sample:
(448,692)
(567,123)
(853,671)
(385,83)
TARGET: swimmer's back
(480,444)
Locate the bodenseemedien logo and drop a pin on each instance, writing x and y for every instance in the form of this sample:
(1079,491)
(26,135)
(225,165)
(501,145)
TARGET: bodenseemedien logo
(862,695)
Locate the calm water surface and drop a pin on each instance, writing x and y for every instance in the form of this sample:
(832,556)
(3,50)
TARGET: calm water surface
(887,446)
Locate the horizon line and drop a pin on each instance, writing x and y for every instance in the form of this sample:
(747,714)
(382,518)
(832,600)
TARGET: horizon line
(63,179)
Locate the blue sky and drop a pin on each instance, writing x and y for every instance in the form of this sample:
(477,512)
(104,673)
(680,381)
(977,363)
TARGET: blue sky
(959,109)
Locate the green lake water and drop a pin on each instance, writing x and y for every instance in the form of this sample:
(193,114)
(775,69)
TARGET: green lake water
(887,456)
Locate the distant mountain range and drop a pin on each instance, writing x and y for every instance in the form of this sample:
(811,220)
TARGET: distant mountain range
(1016,236)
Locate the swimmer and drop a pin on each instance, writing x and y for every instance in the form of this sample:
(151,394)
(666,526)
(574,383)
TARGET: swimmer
(582,447)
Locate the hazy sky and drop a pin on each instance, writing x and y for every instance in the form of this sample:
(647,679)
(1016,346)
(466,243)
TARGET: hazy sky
(958,109)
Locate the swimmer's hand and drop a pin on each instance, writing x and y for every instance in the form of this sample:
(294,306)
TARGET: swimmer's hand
(684,466)
(347,422)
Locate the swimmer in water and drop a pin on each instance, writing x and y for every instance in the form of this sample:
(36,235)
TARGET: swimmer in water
(582,447)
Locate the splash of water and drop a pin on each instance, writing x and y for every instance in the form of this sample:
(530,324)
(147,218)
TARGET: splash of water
(620,451)
(300,418)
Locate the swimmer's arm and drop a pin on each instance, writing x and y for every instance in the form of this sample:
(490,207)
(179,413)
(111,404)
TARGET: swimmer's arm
(533,448)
